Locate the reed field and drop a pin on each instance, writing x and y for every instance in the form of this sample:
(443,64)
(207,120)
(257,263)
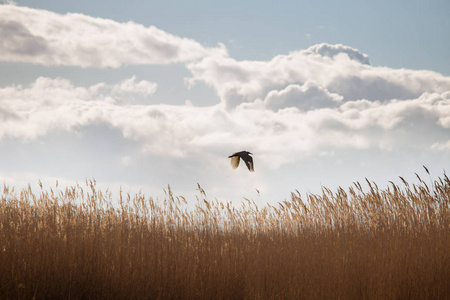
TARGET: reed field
(362,242)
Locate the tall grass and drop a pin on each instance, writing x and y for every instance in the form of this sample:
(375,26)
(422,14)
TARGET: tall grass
(391,243)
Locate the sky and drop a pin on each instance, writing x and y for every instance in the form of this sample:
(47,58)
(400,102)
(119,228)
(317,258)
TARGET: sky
(139,95)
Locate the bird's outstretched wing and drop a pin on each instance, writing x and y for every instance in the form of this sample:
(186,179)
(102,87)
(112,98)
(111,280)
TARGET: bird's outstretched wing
(235,161)
(248,162)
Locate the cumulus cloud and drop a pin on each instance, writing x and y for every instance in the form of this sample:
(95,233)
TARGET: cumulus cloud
(43,37)
(125,91)
(49,105)
(335,69)
(278,135)
(306,97)
(131,86)
(327,50)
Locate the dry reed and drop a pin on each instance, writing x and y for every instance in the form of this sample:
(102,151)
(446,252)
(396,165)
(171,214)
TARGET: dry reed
(74,243)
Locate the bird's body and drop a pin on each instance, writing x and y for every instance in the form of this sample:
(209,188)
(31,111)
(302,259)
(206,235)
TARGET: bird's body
(245,156)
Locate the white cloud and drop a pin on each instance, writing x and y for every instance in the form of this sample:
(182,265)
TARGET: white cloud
(43,37)
(56,104)
(125,91)
(131,86)
(445,146)
(331,51)
(279,136)
(306,97)
(336,69)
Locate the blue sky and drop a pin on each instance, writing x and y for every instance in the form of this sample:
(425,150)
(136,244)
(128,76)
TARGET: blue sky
(141,94)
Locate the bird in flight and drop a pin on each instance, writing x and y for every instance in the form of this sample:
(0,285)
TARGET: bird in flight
(245,156)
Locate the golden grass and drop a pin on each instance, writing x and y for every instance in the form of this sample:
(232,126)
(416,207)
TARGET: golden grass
(391,243)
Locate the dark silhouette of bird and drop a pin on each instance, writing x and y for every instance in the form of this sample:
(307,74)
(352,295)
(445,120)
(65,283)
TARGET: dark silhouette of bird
(245,156)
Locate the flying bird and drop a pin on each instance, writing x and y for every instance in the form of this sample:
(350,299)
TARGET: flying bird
(245,156)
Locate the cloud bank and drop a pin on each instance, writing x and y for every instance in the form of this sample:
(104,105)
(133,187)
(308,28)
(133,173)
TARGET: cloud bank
(279,135)
(47,38)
